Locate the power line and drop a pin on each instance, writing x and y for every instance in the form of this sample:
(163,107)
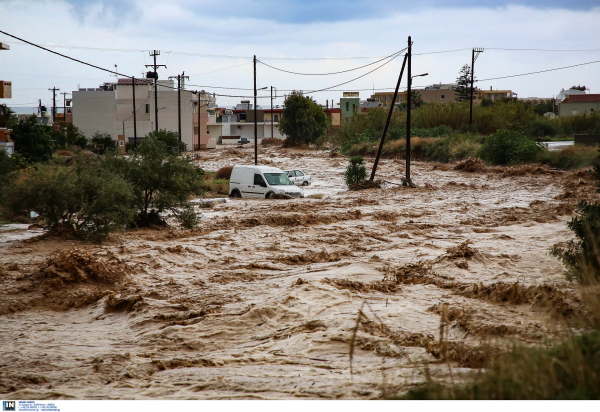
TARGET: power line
(328,74)
(356,78)
(539,71)
(543,50)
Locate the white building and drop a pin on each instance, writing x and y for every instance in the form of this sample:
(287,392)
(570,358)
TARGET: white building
(109,109)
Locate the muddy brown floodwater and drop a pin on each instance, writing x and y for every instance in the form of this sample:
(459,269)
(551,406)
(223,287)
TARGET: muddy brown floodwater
(260,300)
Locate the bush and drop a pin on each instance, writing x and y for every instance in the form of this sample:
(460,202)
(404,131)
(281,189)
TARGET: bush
(571,157)
(161,180)
(187,217)
(508,147)
(102,142)
(356,171)
(570,370)
(170,139)
(85,198)
(581,256)
(542,128)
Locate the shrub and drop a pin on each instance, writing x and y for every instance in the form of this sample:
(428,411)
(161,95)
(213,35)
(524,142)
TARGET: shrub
(187,217)
(581,256)
(271,141)
(224,173)
(102,142)
(571,157)
(85,198)
(170,139)
(161,179)
(508,147)
(356,170)
(570,370)
(542,128)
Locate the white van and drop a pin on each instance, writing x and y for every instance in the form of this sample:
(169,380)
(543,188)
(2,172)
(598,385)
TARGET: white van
(260,182)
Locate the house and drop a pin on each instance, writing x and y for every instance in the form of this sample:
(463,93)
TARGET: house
(349,105)
(435,93)
(576,104)
(493,95)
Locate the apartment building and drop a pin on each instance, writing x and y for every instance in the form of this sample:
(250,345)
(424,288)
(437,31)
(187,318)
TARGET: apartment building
(109,109)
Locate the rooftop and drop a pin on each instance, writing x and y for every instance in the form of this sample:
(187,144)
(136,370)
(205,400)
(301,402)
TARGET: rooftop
(582,98)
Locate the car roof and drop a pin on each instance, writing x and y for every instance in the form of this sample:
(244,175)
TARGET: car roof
(260,168)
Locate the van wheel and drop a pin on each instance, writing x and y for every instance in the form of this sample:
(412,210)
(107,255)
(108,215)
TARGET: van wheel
(305,183)
(236,194)
(269,195)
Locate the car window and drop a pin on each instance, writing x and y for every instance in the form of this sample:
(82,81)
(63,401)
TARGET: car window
(299,173)
(258,179)
(289,174)
(277,179)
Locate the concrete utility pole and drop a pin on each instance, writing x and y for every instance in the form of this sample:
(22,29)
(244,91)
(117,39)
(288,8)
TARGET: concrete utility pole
(179,78)
(54,90)
(475,54)
(155,76)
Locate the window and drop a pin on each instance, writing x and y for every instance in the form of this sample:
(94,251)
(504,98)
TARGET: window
(347,106)
(258,180)
(275,179)
(443,96)
(276,117)
(574,112)
(299,173)
(147,108)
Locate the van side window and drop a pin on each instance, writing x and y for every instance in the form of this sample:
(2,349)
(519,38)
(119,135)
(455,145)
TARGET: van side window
(258,179)
(299,173)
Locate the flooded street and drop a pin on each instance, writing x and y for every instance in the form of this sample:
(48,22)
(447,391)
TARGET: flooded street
(261,300)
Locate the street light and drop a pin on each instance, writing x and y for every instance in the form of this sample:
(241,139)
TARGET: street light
(418,75)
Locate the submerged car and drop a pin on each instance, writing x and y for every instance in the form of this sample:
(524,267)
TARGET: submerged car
(298,177)
(260,182)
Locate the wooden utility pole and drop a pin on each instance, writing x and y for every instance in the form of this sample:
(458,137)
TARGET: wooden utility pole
(408,107)
(134,114)
(474,55)
(179,78)
(255,119)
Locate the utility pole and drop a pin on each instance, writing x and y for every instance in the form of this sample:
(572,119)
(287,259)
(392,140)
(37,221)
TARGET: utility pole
(54,90)
(255,122)
(64,106)
(408,103)
(134,114)
(474,55)
(155,76)
(272,111)
(387,123)
(198,120)
(179,78)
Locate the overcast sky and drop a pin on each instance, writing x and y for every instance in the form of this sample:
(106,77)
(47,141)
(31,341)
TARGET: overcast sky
(213,42)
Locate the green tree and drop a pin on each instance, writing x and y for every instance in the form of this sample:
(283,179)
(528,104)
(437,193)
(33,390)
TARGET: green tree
(171,139)
(74,136)
(303,121)
(8,118)
(579,87)
(86,198)
(463,84)
(416,99)
(356,171)
(33,141)
(161,180)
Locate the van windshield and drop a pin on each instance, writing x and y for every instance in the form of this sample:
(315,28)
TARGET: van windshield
(276,179)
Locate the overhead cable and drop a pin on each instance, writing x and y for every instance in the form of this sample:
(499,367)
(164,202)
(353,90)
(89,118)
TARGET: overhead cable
(393,55)
(539,71)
